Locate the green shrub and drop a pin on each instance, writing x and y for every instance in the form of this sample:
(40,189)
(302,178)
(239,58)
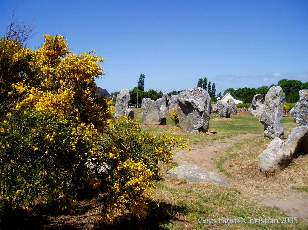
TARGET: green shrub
(243,105)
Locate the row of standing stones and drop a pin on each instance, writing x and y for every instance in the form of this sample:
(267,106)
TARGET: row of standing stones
(193,108)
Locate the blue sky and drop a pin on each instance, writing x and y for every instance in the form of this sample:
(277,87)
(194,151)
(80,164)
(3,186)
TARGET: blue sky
(234,43)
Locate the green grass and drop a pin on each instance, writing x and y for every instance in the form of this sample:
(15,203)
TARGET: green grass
(224,127)
(301,188)
(199,203)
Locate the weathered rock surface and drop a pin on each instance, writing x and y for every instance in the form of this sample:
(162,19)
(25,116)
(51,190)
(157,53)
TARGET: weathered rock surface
(121,107)
(300,110)
(257,105)
(279,153)
(214,108)
(173,103)
(154,112)
(195,174)
(225,109)
(194,110)
(130,113)
(272,113)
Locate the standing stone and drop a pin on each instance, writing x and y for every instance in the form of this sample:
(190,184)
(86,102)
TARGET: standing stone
(162,109)
(121,107)
(257,105)
(225,109)
(194,110)
(272,113)
(279,153)
(300,110)
(154,112)
(173,103)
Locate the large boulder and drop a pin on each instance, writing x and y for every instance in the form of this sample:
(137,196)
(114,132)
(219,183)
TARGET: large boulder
(121,106)
(272,112)
(257,105)
(194,110)
(154,112)
(300,110)
(279,153)
(225,109)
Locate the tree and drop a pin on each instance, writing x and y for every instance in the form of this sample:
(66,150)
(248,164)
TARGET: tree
(213,92)
(219,95)
(200,83)
(204,86)
(141,82)
(18,32)
(209,88)
(305,85)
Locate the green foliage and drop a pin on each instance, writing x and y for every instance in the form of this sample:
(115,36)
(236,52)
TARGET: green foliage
(291,88)
(213,91)
(141,82)
(243,94)
(305,85)
(204,85)
(132,158)
(151,93)
(200,83)
(262,90)
(243,105)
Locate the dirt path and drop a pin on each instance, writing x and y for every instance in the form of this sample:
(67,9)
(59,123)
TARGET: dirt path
(204,155)
(201,160)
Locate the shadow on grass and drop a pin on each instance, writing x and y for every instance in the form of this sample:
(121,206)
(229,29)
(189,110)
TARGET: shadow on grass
(158,214)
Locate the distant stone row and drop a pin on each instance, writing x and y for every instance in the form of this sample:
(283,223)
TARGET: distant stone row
(191,106)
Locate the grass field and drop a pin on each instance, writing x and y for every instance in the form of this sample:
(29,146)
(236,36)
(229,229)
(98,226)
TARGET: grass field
(190,205)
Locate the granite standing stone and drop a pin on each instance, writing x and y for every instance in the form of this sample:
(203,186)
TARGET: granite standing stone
(194,110)
(257,105)
(272,113)
(300,110)
(121,107)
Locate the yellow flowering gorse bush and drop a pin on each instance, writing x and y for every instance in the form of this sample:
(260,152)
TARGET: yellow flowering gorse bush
(59,141)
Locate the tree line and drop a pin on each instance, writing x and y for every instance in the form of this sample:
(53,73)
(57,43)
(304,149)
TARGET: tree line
(245,94)
(290,88)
